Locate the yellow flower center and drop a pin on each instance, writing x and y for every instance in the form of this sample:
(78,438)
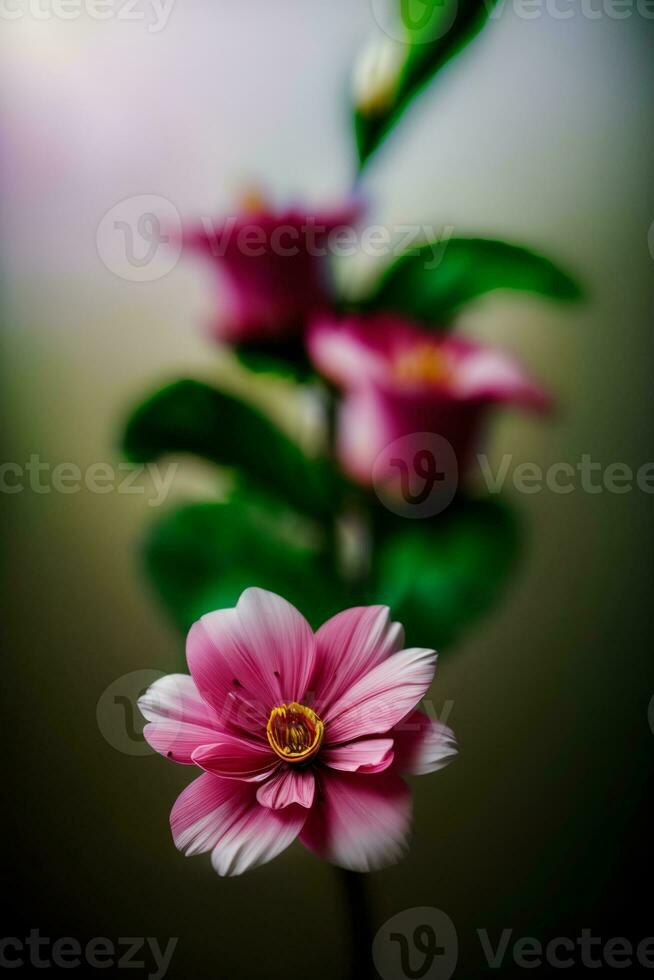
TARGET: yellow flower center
(253,201)
(294,732)
(424,364)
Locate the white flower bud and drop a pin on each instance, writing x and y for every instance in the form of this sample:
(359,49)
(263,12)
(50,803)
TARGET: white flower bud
(377,74)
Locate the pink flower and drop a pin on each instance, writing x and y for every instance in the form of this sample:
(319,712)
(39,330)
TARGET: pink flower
(401,379)
(272,267)
(298,734)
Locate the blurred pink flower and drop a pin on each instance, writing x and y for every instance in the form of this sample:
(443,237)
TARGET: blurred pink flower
(297,733)
(272,267)
(401,379)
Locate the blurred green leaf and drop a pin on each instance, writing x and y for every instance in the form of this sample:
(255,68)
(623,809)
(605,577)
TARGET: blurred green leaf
(201,557)
(435,281)
(282,359)
(441,576)
(431,38)
(191,417)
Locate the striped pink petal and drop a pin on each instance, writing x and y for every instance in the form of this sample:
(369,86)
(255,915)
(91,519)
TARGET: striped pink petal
(367,755)
(360,822)
(201,811)
(233,757)
(223,816)
(349,645)
(177,740)
(288,785)
(176,697)
(257,655)
(382,697)
(422,744)
(180,720)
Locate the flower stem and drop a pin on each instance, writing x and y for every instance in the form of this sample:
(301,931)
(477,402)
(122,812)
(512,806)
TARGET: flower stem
(360,925)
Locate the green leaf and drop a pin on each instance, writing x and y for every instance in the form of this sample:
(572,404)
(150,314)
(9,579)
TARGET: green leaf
(282,359)
(191,417)
(433,282)
(431,39)
(201,557)
(439,577)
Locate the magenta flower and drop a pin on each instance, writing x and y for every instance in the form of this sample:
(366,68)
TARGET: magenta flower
(272,268)
(298,734)
(401,379)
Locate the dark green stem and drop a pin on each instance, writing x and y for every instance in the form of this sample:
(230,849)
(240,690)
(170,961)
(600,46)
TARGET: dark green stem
(353,507)
(359,923)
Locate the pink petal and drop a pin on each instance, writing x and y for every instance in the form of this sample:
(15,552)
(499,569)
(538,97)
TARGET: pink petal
(233,757)
(366,426)
(176,697)
(289,785)
(356,351)
(382,697)
(222,815)
(258,655)
(256,837)
(201,812)
(349,645)
(180,719)
(493,375)
(360,822)
(342,351)
(270,290)
(422,744)
(368,755)
(177,740)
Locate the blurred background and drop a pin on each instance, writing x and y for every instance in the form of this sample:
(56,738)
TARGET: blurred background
(540,132)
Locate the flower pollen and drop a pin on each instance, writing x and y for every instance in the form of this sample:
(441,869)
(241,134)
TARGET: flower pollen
(424,364)
(294,732)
